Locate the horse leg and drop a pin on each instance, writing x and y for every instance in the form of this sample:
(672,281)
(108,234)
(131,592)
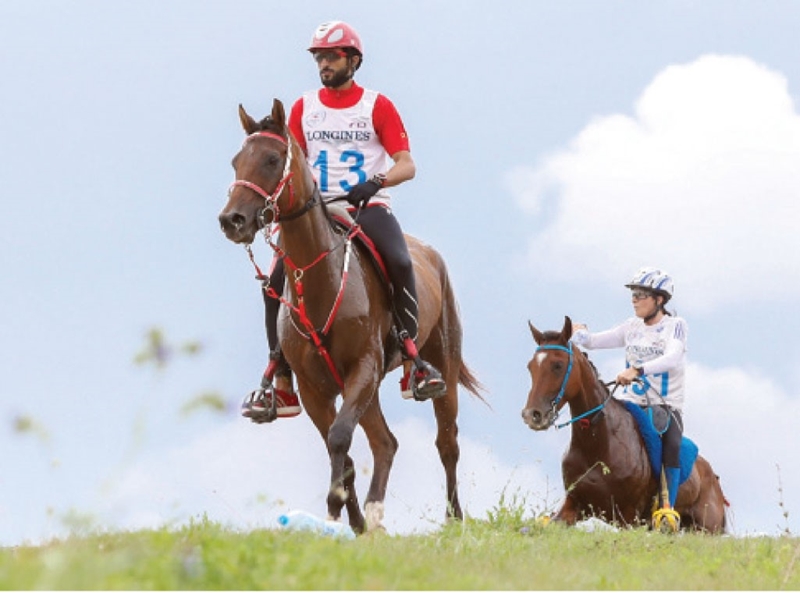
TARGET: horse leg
(322,412)
(446,411)
(360,389)
(443,350)
(569,511)
(383,445)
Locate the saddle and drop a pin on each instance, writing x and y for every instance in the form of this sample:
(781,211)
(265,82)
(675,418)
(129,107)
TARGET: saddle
(652,443)
(343,222)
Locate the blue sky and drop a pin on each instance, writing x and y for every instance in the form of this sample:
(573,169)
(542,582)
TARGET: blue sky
(560,146)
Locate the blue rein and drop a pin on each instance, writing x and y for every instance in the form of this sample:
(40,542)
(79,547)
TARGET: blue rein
(559,397)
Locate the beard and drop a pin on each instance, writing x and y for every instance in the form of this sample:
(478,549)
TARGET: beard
(336,79)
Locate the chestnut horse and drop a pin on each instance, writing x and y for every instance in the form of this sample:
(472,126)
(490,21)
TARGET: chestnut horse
(335,324)
(606,470)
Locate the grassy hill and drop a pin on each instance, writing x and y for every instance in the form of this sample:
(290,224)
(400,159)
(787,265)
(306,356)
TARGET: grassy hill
(501,553)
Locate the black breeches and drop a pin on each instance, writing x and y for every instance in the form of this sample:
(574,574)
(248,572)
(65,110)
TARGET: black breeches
(380,225)
(671,440)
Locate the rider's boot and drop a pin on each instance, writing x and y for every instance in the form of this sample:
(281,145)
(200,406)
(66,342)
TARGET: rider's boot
(673,475)
(667,519)
(421,380)
(273,401)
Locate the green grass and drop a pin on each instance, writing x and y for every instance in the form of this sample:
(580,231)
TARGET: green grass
(477,555)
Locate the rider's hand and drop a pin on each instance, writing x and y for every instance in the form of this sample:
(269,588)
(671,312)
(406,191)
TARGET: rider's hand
(362,193)
(628,376)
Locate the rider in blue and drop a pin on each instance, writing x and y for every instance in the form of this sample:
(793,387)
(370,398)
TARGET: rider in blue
(655,355)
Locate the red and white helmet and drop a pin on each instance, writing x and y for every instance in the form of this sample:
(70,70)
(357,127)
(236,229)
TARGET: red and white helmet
(335,34)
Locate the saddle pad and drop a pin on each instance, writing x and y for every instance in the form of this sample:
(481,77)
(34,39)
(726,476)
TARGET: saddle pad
(652,442)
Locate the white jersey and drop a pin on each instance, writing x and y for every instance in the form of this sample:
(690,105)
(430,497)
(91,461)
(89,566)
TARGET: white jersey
(660,350)
(343,147)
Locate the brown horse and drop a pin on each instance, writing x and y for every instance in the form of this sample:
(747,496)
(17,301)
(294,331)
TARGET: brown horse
(335,326)
(606,470)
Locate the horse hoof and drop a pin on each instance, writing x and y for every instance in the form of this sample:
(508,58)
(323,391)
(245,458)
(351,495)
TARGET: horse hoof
(373,515)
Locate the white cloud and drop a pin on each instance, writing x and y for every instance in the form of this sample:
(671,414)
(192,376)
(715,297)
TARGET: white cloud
(746,427)
(701,180)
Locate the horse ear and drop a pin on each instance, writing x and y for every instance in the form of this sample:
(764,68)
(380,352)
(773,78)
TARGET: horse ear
(248,123)
(537,335)
(278,114)
(566,333)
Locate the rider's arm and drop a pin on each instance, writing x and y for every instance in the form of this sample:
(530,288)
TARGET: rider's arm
(612,338)
(394,139)
(403,169)
(674,350)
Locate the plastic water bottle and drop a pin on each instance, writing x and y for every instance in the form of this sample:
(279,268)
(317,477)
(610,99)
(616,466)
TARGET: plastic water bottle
(304,521)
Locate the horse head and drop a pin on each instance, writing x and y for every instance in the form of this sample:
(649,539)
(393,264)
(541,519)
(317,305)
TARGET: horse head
(552,380)
(265,181)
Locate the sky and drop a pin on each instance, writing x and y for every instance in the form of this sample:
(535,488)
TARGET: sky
(560,146)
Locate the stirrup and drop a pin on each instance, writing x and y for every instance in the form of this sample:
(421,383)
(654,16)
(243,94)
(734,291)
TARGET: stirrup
(666,520)
(260,406)
(432,385)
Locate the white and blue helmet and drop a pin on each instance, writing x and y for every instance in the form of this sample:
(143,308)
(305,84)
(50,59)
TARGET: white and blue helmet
(655,280)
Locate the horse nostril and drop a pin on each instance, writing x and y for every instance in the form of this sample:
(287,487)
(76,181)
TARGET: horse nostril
(233,221)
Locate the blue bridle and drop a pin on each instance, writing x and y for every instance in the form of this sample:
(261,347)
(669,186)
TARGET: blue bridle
(568,350)
(554,405)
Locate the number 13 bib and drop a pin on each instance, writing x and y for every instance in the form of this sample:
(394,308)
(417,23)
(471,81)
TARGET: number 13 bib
(343,147)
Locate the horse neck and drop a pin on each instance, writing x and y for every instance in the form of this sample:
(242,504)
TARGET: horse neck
(591,394)
(308,237)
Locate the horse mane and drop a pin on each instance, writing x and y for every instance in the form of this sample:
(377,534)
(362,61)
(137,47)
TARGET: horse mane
(270,125)
(597,377)
(551,336)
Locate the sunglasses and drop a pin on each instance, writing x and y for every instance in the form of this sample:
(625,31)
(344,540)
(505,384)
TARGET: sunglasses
(329,55)
(638,295)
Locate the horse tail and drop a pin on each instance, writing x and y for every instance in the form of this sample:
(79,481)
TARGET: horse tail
(469,381)
(452,323)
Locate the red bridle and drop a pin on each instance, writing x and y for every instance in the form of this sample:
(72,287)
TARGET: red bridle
(300,309)
(271,199)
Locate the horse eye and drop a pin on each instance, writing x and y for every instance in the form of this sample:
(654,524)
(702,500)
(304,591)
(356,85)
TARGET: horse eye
(273,160)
